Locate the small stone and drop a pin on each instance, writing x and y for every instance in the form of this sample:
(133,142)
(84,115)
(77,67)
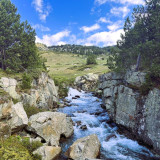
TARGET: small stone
(83,127)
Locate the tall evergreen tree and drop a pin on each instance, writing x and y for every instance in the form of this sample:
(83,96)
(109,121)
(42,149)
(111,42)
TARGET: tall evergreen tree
(140,45)
(17,40)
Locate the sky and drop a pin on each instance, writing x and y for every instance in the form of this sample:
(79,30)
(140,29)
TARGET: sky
(82,22)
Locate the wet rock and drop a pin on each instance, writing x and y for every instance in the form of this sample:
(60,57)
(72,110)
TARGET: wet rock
(67,101)
(87,147)
(51,126)
(48,152)
(77,96)
(83,127)
(98,113)
(78,123)
(110,136)
(67,104)
(82,111)
(74,98)
(61,105)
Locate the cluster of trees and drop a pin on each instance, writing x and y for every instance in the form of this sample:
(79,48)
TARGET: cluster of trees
(91,59)
(18,51)
(140,44)
(82,50)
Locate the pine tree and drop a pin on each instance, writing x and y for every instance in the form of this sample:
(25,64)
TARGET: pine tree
(140,45)
(18,51)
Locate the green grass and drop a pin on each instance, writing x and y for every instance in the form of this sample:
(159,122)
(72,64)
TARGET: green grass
(10,74)
(68,66)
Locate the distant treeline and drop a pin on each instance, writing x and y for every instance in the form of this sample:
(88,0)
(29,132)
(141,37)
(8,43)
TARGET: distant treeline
(83,50)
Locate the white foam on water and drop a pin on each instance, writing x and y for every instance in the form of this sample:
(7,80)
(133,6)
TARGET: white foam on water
(117,147)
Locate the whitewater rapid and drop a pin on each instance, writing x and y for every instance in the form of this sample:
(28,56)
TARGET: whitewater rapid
(87,110)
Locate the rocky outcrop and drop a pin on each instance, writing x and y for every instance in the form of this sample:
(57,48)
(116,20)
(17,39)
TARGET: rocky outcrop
(84,148)
(48,152)
(9,85)
(87,82)
(140,114)
(51,126)
(43,94)
(13,118)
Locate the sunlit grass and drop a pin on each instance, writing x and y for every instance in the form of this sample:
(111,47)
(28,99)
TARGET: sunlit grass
(69,66)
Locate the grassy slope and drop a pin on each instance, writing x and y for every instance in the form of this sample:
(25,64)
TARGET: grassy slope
(68,66)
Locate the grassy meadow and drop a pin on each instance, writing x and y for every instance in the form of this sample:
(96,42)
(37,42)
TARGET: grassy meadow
(67,66)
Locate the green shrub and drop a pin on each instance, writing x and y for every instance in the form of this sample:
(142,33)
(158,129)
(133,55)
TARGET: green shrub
(63,84)
(91,59)
(26,81)
(17,148)
(12,149)
(152,80)
(35,73)
(15,100)
(31,110)
(31,147)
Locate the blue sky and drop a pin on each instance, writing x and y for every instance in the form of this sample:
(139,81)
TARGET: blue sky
(84,22)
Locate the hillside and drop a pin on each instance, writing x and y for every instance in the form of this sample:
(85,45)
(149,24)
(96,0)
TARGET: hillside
(67,66)
(76,49)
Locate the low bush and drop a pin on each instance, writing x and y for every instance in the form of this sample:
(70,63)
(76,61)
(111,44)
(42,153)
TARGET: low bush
(31,110)
(91,59)
(12,149)
(31,147)
(63,84)
(152,80)
(26,81)
(17,148)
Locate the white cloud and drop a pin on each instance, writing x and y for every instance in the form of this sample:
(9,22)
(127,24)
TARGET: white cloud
(41,28)
(130,2)
(91,28)
(100,2)
(104,38)
(42,10)
(116,25)
(55,39)
(104,20)
(135,2)
(120,11)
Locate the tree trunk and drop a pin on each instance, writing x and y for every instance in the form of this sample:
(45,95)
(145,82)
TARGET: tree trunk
(138,62)
(2,63)
(4,54)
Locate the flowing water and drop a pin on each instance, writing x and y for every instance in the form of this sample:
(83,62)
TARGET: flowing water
(114,146)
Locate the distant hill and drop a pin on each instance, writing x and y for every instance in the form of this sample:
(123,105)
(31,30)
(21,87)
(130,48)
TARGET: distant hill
(42,47)
(78,49)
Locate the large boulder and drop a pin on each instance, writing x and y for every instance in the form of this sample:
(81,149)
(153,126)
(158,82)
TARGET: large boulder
(48,152)
(87,147)
(51,126)
(43,94)
(9,85)
(87,82)
(12,116)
